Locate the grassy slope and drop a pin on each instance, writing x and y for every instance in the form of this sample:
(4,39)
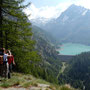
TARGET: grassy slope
(23,81)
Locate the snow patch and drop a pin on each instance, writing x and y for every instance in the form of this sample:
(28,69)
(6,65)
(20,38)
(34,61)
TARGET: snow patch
(65,18)
(40,20)
(84,13)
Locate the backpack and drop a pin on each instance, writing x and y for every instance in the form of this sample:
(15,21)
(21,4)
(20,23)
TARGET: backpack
(1,59)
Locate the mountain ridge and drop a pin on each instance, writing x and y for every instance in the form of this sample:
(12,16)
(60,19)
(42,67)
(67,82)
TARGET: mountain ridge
(73,25)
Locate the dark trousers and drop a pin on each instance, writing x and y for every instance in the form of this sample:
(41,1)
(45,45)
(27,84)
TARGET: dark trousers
(1,69)
(10,67)
(4,68)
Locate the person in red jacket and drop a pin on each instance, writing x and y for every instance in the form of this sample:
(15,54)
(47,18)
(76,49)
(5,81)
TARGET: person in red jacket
(10,61)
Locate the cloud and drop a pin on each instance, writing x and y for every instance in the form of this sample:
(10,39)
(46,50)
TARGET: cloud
(53,11)
(32,11)
(46,11)
(84,3)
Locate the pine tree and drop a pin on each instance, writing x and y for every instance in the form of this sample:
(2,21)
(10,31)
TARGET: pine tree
(1,32)
(16,35)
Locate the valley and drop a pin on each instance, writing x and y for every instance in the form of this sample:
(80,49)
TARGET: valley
(64,46)
(50,53)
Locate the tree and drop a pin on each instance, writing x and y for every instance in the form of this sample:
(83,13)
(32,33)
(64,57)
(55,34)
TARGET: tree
(16,35)
(1,32)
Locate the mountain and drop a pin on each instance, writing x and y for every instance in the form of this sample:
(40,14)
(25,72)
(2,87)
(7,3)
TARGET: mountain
(73,25)
(40,33)
(41,22)
(46,49)
(44,43)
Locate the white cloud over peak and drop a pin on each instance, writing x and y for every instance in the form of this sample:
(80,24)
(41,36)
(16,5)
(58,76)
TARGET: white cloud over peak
(84,3)
(53,11)
(46,11)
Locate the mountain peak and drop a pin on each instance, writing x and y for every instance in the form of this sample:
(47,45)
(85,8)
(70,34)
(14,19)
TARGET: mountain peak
(72,6)
(76,7)
(73,12)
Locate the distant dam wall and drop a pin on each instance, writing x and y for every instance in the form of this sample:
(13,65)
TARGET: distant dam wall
(66,58)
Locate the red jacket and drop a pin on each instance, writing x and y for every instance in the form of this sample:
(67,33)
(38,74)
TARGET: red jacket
(10,59)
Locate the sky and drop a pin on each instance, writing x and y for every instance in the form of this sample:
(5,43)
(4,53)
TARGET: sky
(51,8)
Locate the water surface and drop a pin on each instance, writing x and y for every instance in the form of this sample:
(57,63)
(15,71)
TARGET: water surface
(73,49)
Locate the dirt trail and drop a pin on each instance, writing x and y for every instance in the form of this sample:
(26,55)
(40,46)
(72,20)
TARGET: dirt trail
(62,69)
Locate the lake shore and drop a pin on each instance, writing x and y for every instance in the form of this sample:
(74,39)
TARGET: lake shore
(72,49)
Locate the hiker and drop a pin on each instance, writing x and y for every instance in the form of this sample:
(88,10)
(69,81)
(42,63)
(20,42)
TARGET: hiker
(5,64)
(10,60)
(1,61)
(5,56)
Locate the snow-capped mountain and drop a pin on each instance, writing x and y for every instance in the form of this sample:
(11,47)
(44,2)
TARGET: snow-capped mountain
(73,25)
(41,21)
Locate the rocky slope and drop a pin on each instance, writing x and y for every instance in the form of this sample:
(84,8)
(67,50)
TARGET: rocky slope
(45,46)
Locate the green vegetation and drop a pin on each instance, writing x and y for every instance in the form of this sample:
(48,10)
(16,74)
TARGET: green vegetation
(28,81)
(35,53)
(16,35)
(46,48)
(78,72)
(64,65)
(19,79)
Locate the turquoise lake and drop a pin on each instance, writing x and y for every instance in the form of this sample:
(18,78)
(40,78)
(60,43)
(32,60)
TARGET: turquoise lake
(73,49)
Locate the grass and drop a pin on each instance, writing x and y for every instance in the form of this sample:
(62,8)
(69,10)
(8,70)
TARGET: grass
(5,85)
(9,82)
(28,84)
(66,88)
(42,81)
(61,87)
(25,81)
(21,80)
